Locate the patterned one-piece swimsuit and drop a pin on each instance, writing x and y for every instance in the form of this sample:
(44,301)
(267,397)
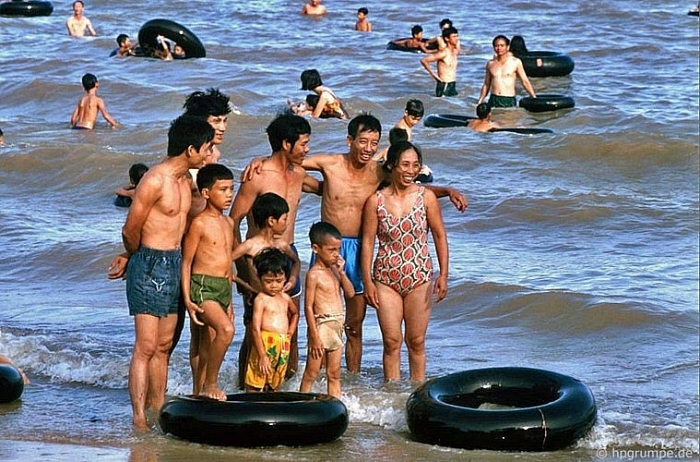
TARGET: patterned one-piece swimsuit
(403,260)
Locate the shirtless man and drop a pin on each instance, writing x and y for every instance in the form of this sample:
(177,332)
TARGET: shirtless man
(446,58)
(85,113)
(501,72)
(78,24)
(152,236)
(313,8)
(348,180)
(282,174)
(483,123)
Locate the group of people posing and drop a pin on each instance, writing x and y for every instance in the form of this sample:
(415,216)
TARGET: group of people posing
(183,233)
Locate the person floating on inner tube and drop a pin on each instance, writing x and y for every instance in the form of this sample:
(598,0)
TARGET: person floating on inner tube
(126,46)
(416,41)
(501,72)
(162,50)
(518,49)
(483,123)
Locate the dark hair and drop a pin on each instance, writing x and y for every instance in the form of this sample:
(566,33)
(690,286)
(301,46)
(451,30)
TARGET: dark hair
(445,22)
(363,10)
(397,134)
(286,126)
(483,110)
(321,230)
(517,46)
(89,81)
(268,205)
(415,108)
(312,100)
(415,30)
(364,123)
(1,133)
(121,38)
(310,79)
(395,151)
(447,31)
(205,104)
(211,173)
(271,260)
(186,131)
(136,172)
(499,37)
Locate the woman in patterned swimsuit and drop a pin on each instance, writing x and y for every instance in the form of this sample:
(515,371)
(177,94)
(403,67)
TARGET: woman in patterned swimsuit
(399,216)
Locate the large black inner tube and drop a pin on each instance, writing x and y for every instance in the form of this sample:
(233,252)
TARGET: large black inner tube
(546,102)
(552,64)
(507,408)
(173,31)
(11,383)
(26,8)
(522,130)
(447,120)
(256,419)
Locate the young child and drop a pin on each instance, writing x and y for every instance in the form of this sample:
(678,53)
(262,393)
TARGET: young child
(85,113)
(362,24)
(270,212)
(126,193)
(412,114)
(323,303)
(272,325)
(314,8)
(207,272)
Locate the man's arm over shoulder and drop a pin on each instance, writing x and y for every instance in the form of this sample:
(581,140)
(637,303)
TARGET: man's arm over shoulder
(242,204)
(457,198)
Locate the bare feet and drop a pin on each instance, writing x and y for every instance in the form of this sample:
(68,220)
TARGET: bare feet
(140,423)
(212,392)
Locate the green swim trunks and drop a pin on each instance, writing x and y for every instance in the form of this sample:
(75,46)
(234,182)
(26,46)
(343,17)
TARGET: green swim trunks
(203,287)
(502,101)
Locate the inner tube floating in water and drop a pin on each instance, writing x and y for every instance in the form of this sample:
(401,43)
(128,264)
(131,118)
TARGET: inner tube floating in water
(256,419)
(506,408)
(693,13)
(446,120)
(11,383)
(173,31)
(546,64)
(392,46)
(454,120)
(26,8)
(544,103)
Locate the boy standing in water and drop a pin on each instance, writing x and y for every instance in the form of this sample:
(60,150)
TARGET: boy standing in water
(85,113)
(272,325)
(324,305)
(362,24)
(206,275)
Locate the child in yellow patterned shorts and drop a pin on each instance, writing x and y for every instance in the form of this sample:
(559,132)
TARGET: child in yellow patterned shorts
(275,319)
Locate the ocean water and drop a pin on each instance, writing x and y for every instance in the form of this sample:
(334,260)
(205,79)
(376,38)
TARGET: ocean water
(578,252)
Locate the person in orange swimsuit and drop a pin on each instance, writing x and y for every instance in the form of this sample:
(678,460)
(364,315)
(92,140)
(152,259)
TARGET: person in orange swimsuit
(328,104)
(399,287)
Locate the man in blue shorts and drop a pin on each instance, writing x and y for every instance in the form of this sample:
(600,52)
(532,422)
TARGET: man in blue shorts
(152,237)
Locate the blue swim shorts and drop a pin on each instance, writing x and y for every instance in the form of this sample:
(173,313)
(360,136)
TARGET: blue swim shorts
(153,281)
(350,250)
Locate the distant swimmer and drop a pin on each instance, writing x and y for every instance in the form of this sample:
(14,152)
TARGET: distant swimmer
(78,24)
(483,123)
(126,46)
(85,113)
(501,72)
(362,24)
(126,193)
(314,8)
